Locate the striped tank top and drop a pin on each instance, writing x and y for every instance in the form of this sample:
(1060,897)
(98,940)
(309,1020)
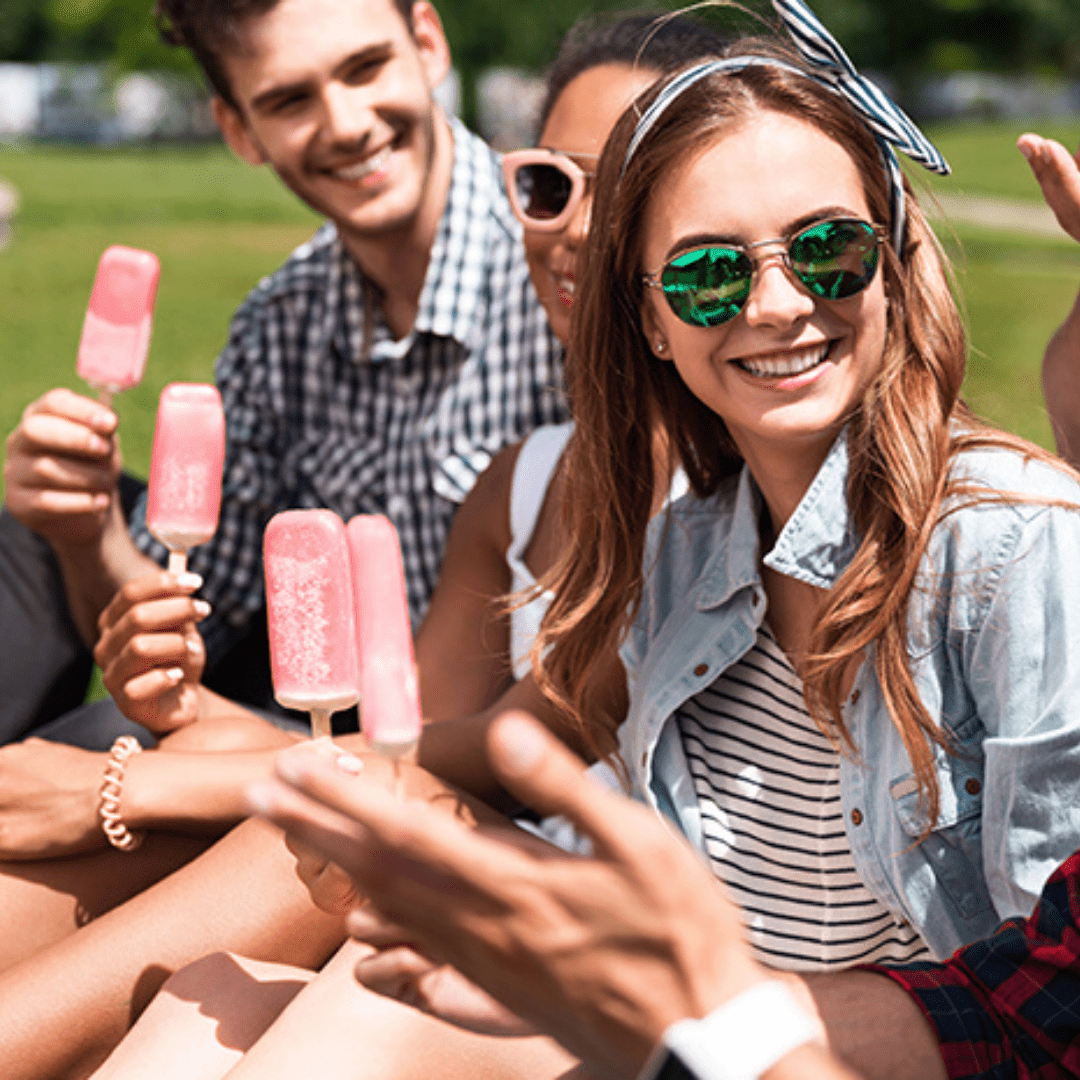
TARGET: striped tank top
(768,787)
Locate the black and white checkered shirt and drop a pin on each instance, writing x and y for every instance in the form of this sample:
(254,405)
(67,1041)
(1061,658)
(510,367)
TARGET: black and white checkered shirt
(317,417)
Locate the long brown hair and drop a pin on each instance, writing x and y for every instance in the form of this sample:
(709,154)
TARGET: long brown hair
(903,435)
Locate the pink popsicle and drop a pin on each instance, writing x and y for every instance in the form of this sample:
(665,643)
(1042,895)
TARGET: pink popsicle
(389,691)
(185,468)
(116,332)
(310,614)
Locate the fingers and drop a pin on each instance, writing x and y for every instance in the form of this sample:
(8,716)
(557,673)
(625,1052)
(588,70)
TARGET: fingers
(1059,177)
(545,775)
(62,462)
(154,587)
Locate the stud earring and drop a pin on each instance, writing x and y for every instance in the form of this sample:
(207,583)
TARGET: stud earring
(660,346)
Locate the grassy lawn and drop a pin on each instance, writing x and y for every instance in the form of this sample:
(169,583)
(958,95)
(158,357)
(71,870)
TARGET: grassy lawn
(985,160)
(216,226)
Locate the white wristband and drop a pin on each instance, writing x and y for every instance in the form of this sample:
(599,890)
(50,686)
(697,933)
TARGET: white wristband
(746,1036)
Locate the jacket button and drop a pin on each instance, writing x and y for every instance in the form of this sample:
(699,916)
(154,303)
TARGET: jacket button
(856,817)
(644,758)
(973,787)
(755,599)
(855,695)
(701,669)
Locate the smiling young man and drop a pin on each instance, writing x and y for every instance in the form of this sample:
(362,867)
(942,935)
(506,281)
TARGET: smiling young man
(376,372)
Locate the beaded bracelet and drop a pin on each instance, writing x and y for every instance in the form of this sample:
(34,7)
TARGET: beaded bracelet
(116,832)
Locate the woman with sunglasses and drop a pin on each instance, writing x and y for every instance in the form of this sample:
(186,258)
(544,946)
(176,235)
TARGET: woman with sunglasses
(851,651)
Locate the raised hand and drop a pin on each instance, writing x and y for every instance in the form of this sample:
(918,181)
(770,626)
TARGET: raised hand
(62,464)
(602,953)
(150,652)
(1058,173)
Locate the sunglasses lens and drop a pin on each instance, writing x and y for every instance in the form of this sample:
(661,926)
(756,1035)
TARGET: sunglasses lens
(542,190)
(708,286)
(835,259)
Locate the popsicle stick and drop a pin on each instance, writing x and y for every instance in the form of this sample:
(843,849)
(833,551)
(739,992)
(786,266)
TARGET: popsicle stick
(177,562)
(104,396)
(320,724)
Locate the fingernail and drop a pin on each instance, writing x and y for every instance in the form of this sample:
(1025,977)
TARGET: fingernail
(350,764)
(194,645)
(261,798)
(188,580)
(1026,151)
(521,745)
(174,674)
(202,608)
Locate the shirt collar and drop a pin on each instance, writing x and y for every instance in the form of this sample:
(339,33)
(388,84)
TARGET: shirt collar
(455,282)
(815,546)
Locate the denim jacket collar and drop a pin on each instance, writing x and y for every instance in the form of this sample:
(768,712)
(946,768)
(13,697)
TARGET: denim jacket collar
(815,546)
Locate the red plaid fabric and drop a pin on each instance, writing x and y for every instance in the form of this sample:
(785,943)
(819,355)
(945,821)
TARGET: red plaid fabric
(1008,1008)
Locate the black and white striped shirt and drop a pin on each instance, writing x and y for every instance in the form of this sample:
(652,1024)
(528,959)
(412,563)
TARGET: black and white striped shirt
(768,786)
(317,416)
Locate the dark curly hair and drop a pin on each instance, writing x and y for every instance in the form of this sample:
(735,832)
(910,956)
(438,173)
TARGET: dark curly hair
(213,28)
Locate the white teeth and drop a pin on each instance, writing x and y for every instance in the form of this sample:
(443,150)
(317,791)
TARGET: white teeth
(363,169)
(788,364)
(566,285)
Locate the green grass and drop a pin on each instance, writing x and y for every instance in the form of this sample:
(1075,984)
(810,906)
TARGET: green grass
(985,161)
(217,227)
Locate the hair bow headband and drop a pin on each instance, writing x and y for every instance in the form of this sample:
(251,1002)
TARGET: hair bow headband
(830,66)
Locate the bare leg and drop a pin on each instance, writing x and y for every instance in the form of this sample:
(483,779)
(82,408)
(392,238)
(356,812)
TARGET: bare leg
(42,903)
(67,1007)
(336,1030)
(205,1019)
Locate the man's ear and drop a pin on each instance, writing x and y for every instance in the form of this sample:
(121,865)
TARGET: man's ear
(431,43)
(235,132)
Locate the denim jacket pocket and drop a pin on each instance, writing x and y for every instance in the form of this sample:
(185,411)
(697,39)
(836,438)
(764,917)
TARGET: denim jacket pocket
(952,849)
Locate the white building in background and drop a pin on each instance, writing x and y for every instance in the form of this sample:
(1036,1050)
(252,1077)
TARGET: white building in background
(507,107)
(20,100)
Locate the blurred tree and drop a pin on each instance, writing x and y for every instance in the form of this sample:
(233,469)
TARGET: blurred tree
(900,37)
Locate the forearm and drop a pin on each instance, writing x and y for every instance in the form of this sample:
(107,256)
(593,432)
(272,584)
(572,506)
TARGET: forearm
(875,1028)
(1061,386)
(94,572)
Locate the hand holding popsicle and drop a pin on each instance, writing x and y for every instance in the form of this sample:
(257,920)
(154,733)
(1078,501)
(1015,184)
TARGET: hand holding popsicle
(309,614)
(185,469)
(116,331)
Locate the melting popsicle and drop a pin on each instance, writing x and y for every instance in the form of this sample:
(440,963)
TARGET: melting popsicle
(116,332)
(389,690)
(185,469)
(310,614)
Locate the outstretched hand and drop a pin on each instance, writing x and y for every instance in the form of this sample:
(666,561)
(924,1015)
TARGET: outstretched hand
(602,953)
(150,652)
(1058,173)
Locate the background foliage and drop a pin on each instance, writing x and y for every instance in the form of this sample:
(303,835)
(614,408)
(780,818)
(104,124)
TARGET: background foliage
(899,37)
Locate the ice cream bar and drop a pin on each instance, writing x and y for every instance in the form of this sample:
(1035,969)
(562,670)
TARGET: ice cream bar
(185,468)
(310,614)
(389,692)
(116,331)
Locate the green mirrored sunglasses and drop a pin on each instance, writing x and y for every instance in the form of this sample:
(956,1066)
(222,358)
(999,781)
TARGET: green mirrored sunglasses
(709,286)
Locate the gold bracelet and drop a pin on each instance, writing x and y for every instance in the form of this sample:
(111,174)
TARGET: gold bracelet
(116,832)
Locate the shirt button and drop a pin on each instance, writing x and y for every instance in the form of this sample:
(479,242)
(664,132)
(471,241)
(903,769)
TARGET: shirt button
(856,694)
(973,787)
(701,669)
(856,817)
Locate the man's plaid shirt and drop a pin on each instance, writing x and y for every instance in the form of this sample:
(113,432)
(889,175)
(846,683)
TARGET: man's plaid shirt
(317,416)
(1008,1008)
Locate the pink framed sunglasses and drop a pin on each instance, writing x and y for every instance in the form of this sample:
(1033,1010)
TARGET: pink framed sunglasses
(545,187)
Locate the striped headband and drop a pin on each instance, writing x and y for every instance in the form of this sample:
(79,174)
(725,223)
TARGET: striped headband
(829,65)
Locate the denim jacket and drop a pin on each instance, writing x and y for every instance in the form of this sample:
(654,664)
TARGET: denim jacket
(994,641)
